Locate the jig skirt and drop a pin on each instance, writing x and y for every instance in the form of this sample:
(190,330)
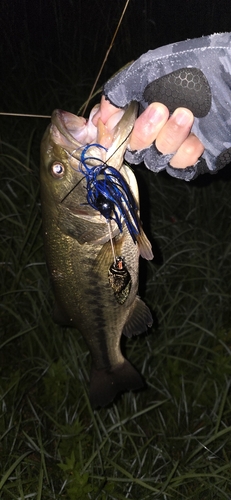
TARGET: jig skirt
(109,193)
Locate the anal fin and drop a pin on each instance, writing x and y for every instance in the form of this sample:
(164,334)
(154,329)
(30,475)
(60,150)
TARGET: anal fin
(139,319)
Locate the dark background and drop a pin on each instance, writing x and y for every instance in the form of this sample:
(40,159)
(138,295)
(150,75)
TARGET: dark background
(51,50)
(175,436)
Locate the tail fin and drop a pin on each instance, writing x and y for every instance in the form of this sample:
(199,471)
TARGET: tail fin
(106,384)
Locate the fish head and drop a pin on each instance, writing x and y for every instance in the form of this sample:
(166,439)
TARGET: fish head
(63,184)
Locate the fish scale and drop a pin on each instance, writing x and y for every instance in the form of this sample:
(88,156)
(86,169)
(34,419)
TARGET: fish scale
(79,256)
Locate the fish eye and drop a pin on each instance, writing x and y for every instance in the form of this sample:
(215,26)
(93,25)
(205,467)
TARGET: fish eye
(57,170)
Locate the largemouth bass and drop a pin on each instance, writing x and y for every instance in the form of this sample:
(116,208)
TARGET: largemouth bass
(94,291)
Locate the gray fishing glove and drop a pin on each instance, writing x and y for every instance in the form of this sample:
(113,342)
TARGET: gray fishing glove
(194,74)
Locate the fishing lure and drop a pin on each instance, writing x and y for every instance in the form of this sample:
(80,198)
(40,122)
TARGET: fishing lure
(120,280)
(109,193)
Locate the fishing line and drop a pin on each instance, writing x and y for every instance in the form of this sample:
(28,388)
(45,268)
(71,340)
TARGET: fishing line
(96,80)
(111,241)
(108,220)
(106,56)
(121,143)
(72,189)
(107,191)
(77,170)
(25,115)
(91,158)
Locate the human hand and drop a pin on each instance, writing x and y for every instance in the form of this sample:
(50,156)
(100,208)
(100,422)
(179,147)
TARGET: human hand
(194,75)
(171,135)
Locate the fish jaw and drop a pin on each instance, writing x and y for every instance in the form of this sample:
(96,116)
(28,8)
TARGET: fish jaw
(74,132)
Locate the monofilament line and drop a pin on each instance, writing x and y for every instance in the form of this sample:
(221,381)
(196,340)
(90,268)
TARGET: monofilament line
(111,241)
(106,56)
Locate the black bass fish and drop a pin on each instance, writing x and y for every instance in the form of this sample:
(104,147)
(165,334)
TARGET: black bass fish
(95,291)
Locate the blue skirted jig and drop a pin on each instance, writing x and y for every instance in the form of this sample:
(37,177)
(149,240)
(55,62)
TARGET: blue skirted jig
(109,193)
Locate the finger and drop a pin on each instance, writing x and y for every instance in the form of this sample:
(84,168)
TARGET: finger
(148,126)
(188,153)
(106,110)
(175,131)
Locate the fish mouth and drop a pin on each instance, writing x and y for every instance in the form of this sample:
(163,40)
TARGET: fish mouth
(72,132)
(69,130)
(83,130)
(79,131)
(68,122)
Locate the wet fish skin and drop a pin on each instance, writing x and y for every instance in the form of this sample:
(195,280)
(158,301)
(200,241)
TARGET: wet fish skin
(79,256)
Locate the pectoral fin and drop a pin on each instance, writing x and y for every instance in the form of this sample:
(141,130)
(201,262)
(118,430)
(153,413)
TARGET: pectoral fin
(139,319)
(145,246)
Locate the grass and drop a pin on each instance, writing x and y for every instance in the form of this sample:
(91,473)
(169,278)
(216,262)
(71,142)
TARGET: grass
(171,441)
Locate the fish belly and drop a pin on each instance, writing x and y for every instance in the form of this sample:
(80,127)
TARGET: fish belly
(85,300)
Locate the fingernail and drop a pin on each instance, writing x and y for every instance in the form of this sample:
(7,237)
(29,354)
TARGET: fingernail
(182,117)
(154,114)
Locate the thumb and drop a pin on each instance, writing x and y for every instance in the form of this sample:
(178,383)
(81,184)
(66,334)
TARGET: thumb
(106,110)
